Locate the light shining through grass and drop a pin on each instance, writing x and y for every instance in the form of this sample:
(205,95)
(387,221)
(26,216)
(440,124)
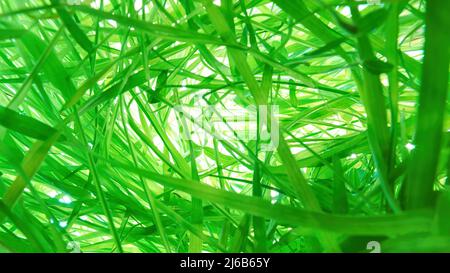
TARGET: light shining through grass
(410,146)
(224,126)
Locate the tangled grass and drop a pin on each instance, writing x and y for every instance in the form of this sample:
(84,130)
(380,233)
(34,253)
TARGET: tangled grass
(129,125)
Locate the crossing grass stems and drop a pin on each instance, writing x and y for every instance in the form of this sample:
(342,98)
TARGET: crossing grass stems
(94,149)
